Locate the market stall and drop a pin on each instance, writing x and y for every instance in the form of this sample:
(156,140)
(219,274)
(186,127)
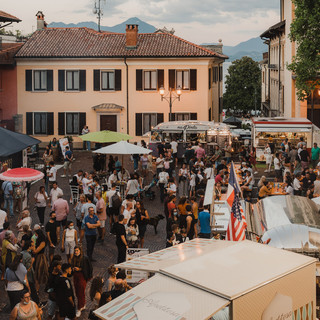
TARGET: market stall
(220,280)
(276,130)
(206,132)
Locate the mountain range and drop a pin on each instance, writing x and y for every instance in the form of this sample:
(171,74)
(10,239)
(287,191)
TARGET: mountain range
(252,48)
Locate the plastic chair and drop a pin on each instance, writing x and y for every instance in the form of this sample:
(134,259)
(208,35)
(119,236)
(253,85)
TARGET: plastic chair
(74,190)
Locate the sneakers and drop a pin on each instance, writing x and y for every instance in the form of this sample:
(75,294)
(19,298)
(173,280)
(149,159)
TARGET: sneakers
(78,313)
(256,172)
(83,308)
(63,176)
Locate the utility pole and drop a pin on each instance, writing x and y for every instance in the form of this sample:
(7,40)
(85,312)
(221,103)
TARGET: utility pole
(98,11)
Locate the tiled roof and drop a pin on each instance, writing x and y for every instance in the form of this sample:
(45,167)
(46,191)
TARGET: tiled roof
(8,51)
(84,42)
(6,17)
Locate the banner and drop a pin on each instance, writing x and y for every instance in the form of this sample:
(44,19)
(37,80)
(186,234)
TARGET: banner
(64,142)
(136,276)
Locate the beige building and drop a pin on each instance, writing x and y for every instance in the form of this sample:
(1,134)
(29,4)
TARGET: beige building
(281,98)
(69,77)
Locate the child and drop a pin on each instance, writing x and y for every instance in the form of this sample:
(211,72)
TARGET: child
(184,236)
(170,239)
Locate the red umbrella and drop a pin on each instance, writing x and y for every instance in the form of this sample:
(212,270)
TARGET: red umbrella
(21,174)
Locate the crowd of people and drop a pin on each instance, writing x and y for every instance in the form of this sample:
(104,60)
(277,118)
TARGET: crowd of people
(44,254)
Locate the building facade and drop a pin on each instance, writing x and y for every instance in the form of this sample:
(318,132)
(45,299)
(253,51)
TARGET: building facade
(70,77)
(282,99)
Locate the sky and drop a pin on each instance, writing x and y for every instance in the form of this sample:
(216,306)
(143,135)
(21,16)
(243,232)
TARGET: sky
(199,21)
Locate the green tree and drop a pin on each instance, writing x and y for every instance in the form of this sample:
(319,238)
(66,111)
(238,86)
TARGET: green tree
(243,85)
(305,30)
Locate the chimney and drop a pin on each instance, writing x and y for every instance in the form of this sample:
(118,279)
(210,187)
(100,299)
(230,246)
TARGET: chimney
(131,36)
(41,24)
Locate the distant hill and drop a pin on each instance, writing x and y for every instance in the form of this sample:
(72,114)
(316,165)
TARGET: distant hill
(119,28)
(252,48)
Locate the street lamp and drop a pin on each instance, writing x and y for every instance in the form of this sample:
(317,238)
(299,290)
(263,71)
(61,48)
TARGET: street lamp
(170,97)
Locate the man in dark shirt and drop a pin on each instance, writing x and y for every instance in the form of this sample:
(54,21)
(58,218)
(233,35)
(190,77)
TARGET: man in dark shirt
(189,153)
(307,182)
(50,288)
(222,166)
(304,156)
(64,294)
(121,241)
(51,231)
(161,148)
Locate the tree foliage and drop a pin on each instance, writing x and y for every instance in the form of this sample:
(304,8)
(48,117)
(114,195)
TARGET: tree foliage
(243,85)
(305,31)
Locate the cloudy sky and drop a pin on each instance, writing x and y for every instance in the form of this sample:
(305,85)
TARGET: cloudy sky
(198,21)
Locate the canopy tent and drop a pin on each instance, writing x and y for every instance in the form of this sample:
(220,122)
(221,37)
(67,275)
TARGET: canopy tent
(105,136)
(123,148)
(13,142)
(233,121)
(162,298)
(21,174)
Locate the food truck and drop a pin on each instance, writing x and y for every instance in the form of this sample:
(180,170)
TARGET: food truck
(208,133)
(276,130)
(218,280)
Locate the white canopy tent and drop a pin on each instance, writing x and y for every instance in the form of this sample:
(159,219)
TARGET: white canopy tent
(122,148)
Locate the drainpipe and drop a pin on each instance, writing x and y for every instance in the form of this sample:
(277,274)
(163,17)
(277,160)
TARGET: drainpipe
(127,93)
(279,78)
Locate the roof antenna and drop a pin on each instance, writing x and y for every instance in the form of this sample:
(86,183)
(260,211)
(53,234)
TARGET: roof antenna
(98,11)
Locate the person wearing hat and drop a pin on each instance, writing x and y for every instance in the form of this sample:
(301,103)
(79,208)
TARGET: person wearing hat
(9,250)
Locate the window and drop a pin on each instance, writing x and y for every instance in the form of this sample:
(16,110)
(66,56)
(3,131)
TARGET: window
(40,80)
(184,116)
(72,123)
(40,122)
(183,79)
(107,80)
(72,79)
(146,121)
(150,80)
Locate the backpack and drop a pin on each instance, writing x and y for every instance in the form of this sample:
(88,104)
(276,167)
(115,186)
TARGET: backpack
(116,202)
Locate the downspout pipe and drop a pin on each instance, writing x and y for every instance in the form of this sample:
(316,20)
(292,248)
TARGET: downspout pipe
(127,93)
(279,77)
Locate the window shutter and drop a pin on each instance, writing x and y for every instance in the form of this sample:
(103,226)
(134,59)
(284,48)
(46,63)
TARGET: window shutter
(117,80)
(193,79)
(220,74)
(193,116)
(96,80)
(159,118)
(160,78)
(50,123)
(172,79)
(138,124)
(210,78)
(139,80)
(49,80)
(61,80)
(61,120)
(29,123)
(28,80)
(82,85)
(82,120)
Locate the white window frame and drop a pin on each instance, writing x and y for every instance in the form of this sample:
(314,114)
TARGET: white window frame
(46,123)
(143,80)
(65,123)
(182,84)
(66,80)
(150,126)
(114,80)
(34,78)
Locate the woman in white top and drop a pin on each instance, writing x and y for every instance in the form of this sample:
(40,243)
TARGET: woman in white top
(268,155)
(192,183)
(249,182)
(133,186)
(69,240)
(41,198)
(183,181)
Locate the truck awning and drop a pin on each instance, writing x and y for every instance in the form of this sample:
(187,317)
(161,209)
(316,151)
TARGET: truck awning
(163,298)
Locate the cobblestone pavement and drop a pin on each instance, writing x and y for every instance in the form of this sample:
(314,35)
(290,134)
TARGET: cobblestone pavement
(105,254)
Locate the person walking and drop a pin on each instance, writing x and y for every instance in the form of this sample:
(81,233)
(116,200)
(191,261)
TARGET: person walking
(7,189)
(64,294)
(52,175)
(268,155)
(69,240)
(82,273)
(68,158)
(54,193)
(142,219)
(183,180)
(315,153)
(305,157)
(121,241)
(41,198)
(91,222)
(61,208)
(51,231)
(102,215)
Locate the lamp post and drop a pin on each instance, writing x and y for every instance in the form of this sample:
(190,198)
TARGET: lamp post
(170,97)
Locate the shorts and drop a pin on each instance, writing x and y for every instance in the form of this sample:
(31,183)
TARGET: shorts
(61,223)
(69,247)
(144,166)
(102,223)
(175,155)
(52,308)
(67,310)
(192,188)
(67,164)
(113,212)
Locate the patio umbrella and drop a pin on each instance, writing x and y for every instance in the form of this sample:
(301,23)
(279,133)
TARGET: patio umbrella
(105,136)
(21,174)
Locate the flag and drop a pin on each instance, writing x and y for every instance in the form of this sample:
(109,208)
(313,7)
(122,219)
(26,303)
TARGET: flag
(237,224)
(233,186)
